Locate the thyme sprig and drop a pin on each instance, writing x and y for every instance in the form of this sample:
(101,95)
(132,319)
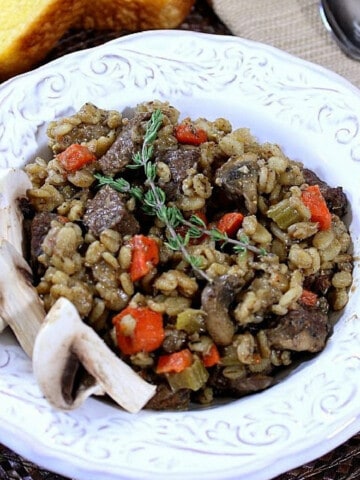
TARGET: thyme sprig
(197,228)
(153,201)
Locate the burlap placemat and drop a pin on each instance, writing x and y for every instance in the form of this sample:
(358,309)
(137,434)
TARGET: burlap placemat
(291,25)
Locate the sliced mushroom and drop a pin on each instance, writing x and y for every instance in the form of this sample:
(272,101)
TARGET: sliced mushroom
(13,186)
(216,299)
(64,344)
(238,178)
(20,305)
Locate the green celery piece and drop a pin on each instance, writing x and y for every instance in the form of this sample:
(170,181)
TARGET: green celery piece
(193,377)
(284,214)
(191,320)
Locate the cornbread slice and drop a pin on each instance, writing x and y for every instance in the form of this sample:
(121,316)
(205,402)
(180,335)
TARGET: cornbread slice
(134,15)
(29,29)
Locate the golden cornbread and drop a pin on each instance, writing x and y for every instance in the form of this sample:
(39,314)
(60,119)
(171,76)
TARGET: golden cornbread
(29,30)
(134,14)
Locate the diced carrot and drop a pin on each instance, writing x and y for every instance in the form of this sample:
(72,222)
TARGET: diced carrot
(308,298)
(144,256)
(138,329)
(313,199)
(230,223)
(187,132)
(174,362)
(212,357)
(75,157)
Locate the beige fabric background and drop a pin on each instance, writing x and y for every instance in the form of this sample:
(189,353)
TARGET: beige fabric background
(294,26)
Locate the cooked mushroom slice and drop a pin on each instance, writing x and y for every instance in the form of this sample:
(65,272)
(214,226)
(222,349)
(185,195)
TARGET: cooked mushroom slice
(13,185)
(65,344)
(20,305)
(238,178)
(216,299)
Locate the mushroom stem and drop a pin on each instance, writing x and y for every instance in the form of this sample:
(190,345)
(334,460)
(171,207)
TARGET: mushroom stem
(20,305)
(13,185)
(63,344)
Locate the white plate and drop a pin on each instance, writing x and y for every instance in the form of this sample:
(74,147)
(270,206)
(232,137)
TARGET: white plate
(314,115)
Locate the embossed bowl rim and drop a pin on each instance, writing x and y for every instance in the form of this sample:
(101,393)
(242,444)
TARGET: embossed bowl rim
(314,115)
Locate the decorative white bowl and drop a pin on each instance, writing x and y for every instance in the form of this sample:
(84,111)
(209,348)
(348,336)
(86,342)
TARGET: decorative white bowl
(315,116)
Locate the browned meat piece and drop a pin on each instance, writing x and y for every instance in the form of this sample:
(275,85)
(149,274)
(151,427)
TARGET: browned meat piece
(318,283)
(39,228)
(334,196)
(301,330)
(238,387)
(238,178)
(251,384)
(108,210)
(216,299)
(166,399)
(127,143)
(84,130)
(179,162)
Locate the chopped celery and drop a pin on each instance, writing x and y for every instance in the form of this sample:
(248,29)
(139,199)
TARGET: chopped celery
(285,214)
(190,320)
(230,357)
(193,377)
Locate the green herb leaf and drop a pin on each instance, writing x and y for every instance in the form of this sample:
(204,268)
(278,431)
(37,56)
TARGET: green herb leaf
(194,219)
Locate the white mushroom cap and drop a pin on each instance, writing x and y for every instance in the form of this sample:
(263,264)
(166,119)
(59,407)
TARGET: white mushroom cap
(20,305)
(63,344)
(13,185)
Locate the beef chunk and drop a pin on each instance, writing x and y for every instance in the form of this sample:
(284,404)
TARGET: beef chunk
(238,178)
(90,122)
(300,330)
(108,210)
(318,283)
(238,387)
(39,229)
(127,143)
(179,162)
(166,399)
(334,196)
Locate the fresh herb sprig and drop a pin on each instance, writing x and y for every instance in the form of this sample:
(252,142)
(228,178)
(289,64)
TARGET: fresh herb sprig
(154,198)
(197,228)
(153,201)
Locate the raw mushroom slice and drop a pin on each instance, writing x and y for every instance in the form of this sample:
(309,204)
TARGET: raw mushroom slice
(64,344)
(20,305)
(13,185)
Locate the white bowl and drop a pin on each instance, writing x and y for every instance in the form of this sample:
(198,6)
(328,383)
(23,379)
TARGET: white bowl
(315,116)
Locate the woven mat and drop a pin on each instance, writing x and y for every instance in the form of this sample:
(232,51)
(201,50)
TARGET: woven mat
(291,25)
(343,463)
